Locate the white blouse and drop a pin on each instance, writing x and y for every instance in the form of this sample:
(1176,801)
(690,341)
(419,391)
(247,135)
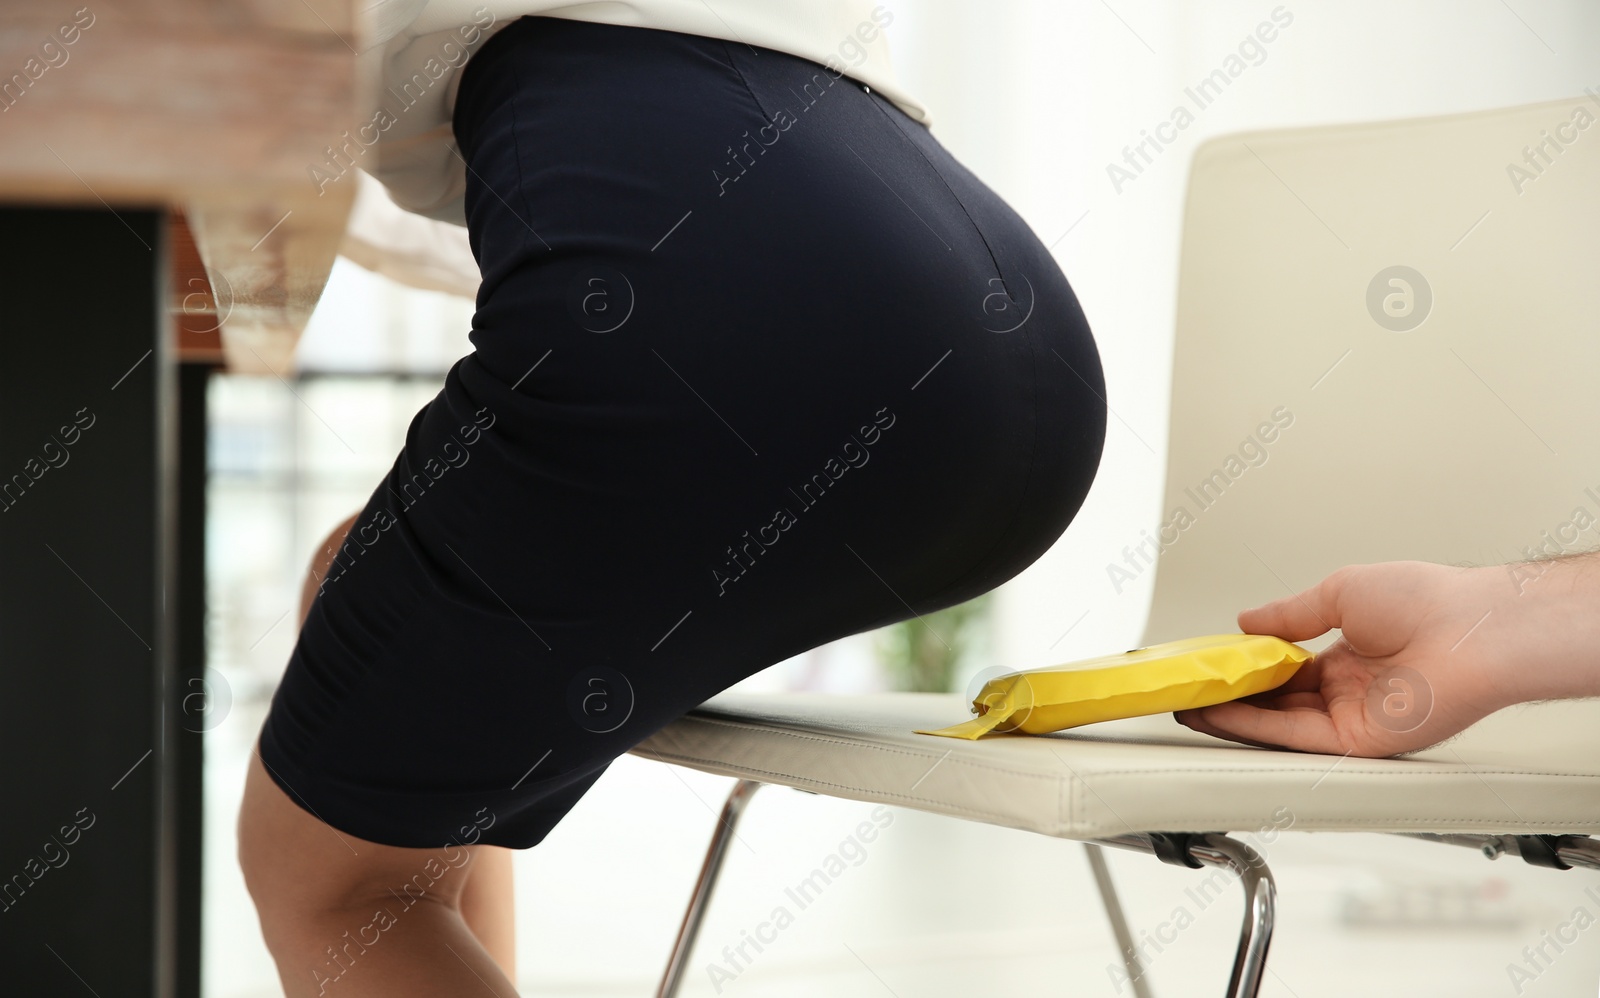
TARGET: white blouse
(416,49)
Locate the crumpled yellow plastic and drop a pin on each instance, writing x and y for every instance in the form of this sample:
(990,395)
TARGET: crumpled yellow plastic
(1178,675)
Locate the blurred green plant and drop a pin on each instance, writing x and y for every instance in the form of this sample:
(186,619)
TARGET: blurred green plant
(922,655)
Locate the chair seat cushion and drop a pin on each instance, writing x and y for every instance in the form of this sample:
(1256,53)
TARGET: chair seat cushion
(1528,769)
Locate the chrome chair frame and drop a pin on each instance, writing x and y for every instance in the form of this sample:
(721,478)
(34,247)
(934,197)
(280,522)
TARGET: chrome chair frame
(1191,850)
(1179,849)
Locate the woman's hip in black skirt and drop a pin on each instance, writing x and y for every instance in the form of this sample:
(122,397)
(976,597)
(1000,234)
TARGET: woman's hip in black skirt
(757,365)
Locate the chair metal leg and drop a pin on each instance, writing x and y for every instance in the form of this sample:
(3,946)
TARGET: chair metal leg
(1191,850)
(738,797)
(1260,907)
(1119,921)
(1260,893)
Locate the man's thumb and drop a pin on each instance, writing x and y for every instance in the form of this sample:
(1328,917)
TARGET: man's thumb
(1299,617)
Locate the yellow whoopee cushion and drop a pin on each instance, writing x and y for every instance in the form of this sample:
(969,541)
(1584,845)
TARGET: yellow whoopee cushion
(1178,675)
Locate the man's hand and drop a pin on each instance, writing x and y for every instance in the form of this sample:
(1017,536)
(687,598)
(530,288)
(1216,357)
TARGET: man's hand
(1420,658)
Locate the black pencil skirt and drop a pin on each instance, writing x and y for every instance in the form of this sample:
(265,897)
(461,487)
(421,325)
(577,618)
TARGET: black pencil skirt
(758,364)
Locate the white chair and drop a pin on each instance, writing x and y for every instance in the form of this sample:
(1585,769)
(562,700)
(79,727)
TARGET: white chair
(1449,418)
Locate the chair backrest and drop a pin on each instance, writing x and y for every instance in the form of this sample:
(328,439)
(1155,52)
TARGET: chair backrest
(1387,347)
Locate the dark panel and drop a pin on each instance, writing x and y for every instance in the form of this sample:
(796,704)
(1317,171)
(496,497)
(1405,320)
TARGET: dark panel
(85,641)
(200,703)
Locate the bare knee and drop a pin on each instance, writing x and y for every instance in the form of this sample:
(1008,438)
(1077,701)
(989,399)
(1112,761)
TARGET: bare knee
(315,887)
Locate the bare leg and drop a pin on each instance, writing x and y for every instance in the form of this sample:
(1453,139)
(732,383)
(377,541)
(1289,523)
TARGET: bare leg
(489,906)
(311,893)
(380,921)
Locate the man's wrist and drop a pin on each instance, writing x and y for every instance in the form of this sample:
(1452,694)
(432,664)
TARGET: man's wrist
(1546,644)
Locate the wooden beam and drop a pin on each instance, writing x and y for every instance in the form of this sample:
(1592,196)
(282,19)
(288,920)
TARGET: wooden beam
(268,260)
(218,108)
(143,114)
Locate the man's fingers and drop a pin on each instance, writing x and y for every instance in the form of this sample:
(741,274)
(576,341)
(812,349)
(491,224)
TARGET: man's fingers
(1192,719)
(1298,617)
(1300,728)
